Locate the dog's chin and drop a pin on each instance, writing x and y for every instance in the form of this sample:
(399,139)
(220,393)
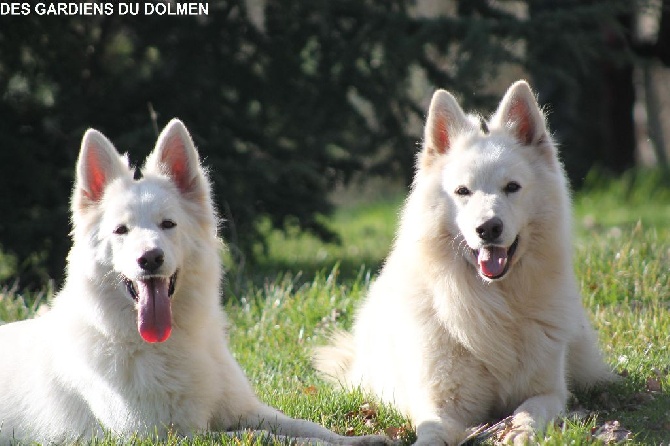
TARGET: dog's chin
(493,262)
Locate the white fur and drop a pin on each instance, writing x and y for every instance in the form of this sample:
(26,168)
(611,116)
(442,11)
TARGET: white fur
(449,346)
(82,369)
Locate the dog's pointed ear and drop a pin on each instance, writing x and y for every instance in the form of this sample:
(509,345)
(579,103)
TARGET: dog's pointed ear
(99,163)
(520,114)
(445,119)
(176,157)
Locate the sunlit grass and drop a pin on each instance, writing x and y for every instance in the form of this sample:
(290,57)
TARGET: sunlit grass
(302,289)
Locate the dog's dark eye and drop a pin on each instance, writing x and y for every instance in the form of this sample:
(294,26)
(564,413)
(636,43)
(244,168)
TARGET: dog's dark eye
(512,187)
(121,230)
(168,224)
(463,191)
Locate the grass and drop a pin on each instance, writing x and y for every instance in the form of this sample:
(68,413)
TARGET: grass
(366,225)
(302,289)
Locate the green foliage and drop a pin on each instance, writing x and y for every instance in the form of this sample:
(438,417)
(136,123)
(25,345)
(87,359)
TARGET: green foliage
(580,55)
(15,306)
(623,201)
(365,231)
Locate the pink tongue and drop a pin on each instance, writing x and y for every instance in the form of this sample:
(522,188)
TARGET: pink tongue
(492,261)
(154,320)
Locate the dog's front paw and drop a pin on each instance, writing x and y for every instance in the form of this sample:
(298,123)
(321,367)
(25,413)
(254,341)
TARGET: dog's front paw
(519,436)
(518,431)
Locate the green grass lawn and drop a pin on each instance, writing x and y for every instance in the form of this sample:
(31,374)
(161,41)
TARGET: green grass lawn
(301,289)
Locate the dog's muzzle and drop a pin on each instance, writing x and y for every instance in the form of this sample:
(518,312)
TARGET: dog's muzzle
(152,295)
(132,289)
(494,261)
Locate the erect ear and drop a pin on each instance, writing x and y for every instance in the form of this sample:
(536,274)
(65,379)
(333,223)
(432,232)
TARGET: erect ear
(519,113)
(99,163)
(445,120)
(175,156)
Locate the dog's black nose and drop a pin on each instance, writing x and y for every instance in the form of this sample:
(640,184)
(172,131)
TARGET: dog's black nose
(151,260)
(490,230)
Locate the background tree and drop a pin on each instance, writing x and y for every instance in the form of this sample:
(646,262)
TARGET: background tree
(592,94)
(283,105)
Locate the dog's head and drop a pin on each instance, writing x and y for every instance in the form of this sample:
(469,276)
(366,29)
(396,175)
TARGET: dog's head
(490,176)
(138,229)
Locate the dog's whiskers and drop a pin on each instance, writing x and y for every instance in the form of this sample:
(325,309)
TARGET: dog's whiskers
(459,245)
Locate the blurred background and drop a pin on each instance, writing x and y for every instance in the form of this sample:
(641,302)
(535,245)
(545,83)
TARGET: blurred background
(291,102)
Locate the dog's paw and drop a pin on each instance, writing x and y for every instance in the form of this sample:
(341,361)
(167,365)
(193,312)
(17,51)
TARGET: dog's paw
(518,431)
(519,436)
(435,440)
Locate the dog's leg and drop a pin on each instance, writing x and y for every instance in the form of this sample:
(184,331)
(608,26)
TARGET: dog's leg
(586,366)
(434,426)
(240,409)
(271,420)
(439,431)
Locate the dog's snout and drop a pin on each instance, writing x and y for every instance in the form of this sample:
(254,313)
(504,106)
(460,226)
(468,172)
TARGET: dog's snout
(151,260)
(490,230)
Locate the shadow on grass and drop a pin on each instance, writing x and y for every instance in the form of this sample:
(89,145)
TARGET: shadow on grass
(303,272)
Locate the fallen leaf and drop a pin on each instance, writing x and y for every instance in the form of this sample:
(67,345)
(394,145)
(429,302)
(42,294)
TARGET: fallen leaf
(368,410)
(508,427)
(640,398)
(395,433)
(310,390)
(611,432)
(654,385)
(496,432)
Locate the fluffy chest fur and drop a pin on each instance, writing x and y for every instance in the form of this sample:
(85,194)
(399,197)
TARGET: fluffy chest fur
(128,385)
(500,350)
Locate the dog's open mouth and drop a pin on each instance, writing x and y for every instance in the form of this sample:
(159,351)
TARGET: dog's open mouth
(154,311)
(132,289)
(493,261)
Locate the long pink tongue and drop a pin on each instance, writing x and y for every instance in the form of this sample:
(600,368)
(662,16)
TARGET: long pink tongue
(492,261)
(154,319)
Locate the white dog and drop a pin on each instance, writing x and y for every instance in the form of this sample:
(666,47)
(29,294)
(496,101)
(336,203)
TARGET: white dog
(476,314)
(136,342)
